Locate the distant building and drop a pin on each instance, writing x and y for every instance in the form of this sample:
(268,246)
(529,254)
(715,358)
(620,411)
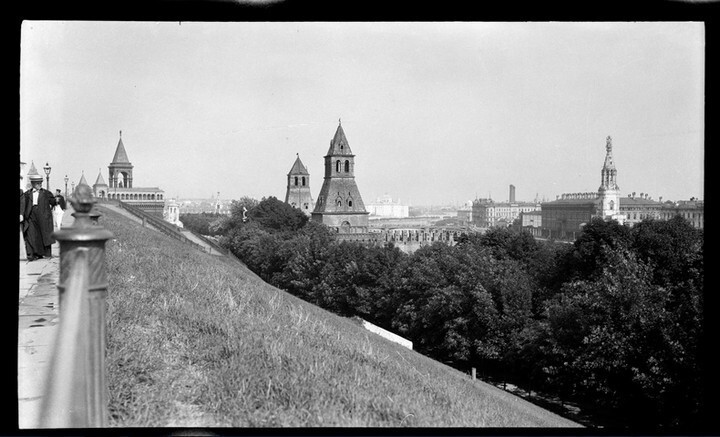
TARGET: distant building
(211,205)
(339,204)
(464,213)
(692,210)
(563,218)
(120,187)
(638,208)
(385,207)
(531,219)
(487,213)
(298,188)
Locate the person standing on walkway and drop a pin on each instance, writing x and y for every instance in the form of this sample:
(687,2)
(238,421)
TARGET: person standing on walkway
(36,219)
(58,209)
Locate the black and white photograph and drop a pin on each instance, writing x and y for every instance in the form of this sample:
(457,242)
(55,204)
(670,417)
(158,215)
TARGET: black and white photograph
(444,224)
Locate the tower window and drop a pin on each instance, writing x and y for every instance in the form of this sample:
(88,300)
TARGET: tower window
(347,166)
(337,166)
(303,181)
(350,203)
(296,180)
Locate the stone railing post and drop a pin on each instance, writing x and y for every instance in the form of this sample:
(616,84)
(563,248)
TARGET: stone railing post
(84,243)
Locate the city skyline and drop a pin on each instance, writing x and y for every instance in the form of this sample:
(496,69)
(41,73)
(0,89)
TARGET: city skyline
(435,112)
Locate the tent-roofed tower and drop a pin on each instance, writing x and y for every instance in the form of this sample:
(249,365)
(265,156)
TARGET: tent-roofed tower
(100,188)
(339,204)
(148,199)
(298,193)
(120,169)
(83,181)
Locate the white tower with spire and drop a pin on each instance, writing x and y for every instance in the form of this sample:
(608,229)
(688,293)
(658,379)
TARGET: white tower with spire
(609,191)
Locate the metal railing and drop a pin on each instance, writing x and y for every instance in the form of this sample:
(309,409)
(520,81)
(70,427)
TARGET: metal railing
(76,393)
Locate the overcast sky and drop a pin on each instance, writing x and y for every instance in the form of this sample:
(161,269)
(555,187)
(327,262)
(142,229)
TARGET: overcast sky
(435,113)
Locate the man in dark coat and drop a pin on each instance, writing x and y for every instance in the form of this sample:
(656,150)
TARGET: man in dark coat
(36,219)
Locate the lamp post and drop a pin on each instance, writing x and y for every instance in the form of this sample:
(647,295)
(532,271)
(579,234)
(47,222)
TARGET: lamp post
(47,169)
(66,181)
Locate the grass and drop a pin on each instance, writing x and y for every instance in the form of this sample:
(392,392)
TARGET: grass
(195,340)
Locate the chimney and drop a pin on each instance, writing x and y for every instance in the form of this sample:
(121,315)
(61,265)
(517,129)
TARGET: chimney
(512,193)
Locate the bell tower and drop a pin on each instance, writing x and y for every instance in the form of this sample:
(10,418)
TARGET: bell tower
(609,191)
(339,204)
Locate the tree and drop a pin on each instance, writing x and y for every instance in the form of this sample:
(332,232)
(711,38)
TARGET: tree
(199,223)
(590,247)
(621,346)
(276,216)
(673,247)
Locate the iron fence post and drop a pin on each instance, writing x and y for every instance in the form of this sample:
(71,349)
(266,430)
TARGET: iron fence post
(86,236)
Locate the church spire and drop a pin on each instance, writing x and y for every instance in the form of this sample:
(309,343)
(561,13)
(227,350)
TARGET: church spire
(608,174)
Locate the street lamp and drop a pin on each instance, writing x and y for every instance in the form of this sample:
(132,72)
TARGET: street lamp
(47,173)
(66,181)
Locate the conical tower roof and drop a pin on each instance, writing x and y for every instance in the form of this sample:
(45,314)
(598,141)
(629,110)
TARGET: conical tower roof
(82,180)
(100,180)
(120,153)
(298,167)
(33,173)
(339,144)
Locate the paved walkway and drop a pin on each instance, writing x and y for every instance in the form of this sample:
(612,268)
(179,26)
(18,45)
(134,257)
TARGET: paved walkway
(37,327)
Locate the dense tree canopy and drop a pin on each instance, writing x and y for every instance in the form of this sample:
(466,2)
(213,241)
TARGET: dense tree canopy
(612,321)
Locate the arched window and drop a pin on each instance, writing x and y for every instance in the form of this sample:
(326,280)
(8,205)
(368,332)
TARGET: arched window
(347,166)
(337,166)
(303,181)
(350,203)
(296,181)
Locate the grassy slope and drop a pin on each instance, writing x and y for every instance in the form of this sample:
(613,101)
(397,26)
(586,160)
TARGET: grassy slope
(194,340)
